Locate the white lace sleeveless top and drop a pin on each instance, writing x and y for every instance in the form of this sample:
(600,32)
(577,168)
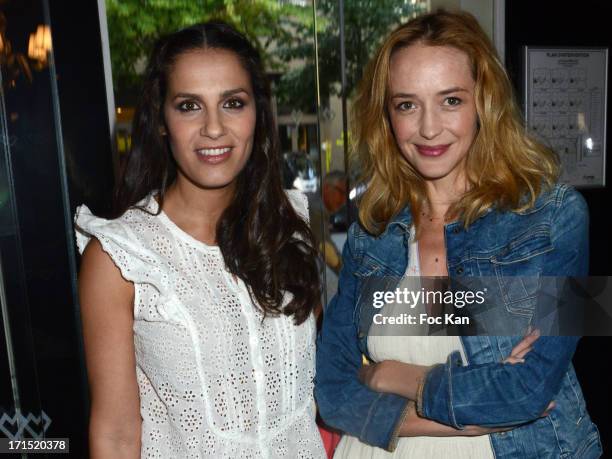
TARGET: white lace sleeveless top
(215,379)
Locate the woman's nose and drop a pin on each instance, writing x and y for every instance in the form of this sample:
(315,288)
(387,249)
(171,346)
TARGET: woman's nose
(213,126)
(431,124)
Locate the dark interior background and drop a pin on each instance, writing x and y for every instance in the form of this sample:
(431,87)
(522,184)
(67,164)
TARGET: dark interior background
(57,152)
(586,23)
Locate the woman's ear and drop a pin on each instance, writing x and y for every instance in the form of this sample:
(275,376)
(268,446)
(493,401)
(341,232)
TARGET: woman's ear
(162,130)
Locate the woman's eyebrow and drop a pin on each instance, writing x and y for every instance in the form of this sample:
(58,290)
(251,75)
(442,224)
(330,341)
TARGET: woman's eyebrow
(231,92)
(444,92)
(186,95)
(402,95)
(189,95)
(451,90)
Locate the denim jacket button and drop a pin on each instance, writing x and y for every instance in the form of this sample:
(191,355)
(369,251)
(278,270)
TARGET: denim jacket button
(459,270)
(456,230)
(361,335)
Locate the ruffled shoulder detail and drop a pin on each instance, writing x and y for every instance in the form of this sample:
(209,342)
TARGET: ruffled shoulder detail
(299,201)
(115,239)
(137,262)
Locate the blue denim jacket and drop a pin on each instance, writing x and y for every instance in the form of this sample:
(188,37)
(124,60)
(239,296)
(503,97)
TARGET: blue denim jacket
(549,239)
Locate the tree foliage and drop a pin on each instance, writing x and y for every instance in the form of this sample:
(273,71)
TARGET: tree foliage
(135,25)
(366,23)
(282,32)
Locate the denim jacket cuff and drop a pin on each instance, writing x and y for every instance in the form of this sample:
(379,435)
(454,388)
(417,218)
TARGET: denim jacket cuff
(420,388)
(378,427)
(435,392)
(395,435)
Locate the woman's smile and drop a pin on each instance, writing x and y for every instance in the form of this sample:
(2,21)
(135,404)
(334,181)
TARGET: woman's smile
(433,150)
(215,155)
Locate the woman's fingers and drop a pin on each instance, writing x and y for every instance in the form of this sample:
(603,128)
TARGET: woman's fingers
(526,342)
(521,347)
(522,353)
(518,353)
(551,406)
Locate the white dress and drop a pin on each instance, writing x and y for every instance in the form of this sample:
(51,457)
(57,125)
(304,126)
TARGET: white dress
(419,350)
(215,379)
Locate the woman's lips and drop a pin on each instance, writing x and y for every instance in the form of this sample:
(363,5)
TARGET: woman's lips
(214,155)
(434,150)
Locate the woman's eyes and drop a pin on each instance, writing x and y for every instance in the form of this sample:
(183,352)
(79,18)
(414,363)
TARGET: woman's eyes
(448,101)
(190,106)
(233,104)
(405,106)
(452,101)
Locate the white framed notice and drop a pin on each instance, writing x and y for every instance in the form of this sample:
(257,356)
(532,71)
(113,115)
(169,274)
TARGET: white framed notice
(566,91)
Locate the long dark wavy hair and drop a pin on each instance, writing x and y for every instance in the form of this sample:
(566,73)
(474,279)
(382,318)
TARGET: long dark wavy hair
(263,240)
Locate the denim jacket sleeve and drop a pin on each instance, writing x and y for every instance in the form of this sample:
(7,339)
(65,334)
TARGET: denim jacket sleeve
(499,394)
(343,401)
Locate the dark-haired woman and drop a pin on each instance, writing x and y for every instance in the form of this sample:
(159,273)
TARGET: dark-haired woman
(197,294)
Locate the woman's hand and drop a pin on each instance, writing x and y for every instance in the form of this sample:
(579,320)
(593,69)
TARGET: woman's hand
(518,353)
(403,379)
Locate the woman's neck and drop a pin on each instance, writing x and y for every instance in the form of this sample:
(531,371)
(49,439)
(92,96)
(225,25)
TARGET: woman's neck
(441,195)
(196,210)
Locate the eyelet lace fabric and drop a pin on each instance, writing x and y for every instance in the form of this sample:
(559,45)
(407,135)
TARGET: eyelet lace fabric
(215,379)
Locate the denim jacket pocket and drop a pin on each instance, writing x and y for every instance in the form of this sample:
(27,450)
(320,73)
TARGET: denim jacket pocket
(518,266)
(523,248)
(369,266)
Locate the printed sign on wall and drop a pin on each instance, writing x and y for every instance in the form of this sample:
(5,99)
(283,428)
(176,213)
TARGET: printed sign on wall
(565,108)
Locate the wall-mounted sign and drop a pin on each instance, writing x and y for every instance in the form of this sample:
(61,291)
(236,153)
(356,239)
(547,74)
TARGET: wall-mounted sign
(566,91)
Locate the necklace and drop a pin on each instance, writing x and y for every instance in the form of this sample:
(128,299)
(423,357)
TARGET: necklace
(444,219)
(432,218)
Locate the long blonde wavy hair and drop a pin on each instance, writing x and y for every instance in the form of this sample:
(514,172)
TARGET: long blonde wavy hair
(505,167)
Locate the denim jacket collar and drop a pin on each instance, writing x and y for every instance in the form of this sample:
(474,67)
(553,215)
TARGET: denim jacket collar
(400,223)
(403,220)
(386,260)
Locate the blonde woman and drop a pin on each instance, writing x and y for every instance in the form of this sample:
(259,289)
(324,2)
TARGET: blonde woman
(455,188)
